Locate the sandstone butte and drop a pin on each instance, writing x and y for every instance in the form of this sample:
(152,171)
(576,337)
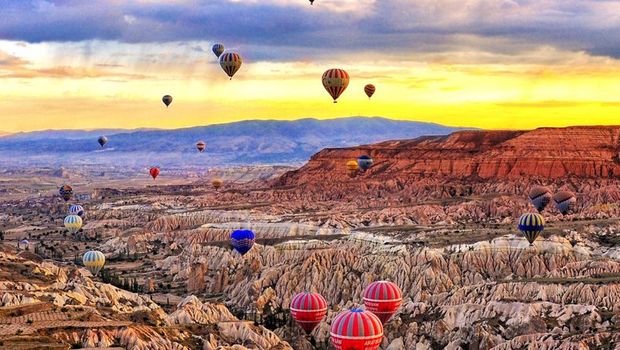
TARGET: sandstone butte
(551,153)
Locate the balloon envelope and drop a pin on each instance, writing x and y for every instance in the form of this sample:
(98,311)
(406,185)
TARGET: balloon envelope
(242,240)
(383,299)
(66,192)
(102,140)
(73,223)
(356,329)
(369,89)
(308,309)
(335,81)
(531,225)
(540,196)
(76,209)
(230,63)
(217,183)
(201,145)
(167,100)
(218,49)
(564,201)
(365,162)
(93,260)
(154,171)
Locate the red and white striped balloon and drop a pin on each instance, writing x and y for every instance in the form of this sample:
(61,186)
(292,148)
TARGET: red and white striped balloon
(335,81)
(356,329)
(383,299)
(308,309)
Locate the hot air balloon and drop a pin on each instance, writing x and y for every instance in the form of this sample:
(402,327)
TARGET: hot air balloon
(217,183)
(66,192)
(167,100)
(201,145)
(564,201)
(383,299)
(242,240)
(365,162)
(102,140)
(335,82)
(73,223)
(311,2)
(356,329)
(540,196)
(93,260)
(76,209)
(24,243)
(218,49)
(531,225)
(154,171)
(308,309)
(369,89)
(352,165)
(230,63)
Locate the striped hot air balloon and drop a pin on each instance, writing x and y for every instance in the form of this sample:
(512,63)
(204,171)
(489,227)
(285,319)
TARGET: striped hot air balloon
(383,299)
(76,209)
(369,89)
(564,201)
(201,145)
(365,162)
(308,309)
(531,225)
(167,100)
(93,260)
(66,192)
(540,196)
(230,63)
(356,329)
(218,49)
(242,240)
(154,171)
(73,223)
(335,81)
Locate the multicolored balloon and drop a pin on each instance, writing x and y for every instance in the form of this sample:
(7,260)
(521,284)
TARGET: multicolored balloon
(154,171)
(564,201)
(242,240)
(356,329)
(369,89)
(73,223)
(335,81)
(167,100)
(540,196)
(93,260)
(102,140)
(230,63)
(383,299)
(201,145)
(365,162)
(531,225)
(66,192)
(76,209)
(218,49)
(308,309)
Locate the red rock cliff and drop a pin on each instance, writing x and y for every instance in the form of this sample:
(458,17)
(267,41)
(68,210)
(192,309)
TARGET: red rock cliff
(588,152)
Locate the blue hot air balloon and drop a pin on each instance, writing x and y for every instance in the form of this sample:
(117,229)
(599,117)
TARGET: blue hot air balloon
(531,225)
(242,240)
(365,162)
(76,209)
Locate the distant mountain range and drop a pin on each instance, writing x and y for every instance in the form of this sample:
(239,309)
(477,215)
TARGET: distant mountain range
(253,141)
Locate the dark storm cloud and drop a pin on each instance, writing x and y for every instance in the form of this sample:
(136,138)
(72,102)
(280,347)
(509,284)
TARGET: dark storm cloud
(282,28)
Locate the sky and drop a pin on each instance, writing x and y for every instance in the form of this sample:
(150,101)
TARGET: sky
(496,64)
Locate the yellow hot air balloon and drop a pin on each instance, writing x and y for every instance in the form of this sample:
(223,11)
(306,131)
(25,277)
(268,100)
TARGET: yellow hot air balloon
(217,183)
(94,260)
(73,223)
(352,165)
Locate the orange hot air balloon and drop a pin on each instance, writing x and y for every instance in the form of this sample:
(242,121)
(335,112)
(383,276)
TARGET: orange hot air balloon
(154,172)
(369,89)
(217,183)
(335,81)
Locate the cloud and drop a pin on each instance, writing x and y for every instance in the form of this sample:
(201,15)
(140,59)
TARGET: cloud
(269,29)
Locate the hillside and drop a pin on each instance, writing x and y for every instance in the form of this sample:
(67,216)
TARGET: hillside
(254,141)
